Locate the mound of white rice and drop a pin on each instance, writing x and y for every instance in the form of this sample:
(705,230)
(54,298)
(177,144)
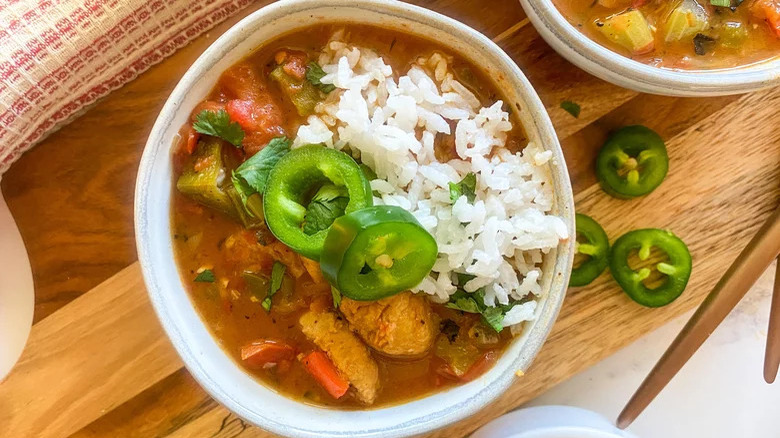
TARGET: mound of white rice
(390,123)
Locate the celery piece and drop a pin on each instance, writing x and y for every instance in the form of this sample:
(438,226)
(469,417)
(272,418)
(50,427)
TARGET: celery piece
(685,21)
(203,185)
(303,94)
(733,34)
(628,29)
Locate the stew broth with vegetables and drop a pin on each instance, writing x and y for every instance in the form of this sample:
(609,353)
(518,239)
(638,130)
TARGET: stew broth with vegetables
(269,307)
(681,34)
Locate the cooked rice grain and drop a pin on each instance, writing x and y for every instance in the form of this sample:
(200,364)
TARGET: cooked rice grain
(390,123)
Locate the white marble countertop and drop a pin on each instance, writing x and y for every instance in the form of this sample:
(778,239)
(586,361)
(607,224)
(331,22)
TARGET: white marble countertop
(720,392)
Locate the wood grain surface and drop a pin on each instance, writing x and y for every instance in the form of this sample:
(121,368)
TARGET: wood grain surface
(99,365)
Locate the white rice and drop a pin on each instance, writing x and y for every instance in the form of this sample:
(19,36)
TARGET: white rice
(390,123)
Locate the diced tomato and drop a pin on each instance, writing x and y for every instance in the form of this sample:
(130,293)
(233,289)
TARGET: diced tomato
(480,366)
(266,351)
(475,370)
(242,112)
(192,140)
(207,105)
(772,9)
(280,56)
(320,366)
(261,119)
(241,82)
(254,142)
(256,115)
(768,10)
(295,64)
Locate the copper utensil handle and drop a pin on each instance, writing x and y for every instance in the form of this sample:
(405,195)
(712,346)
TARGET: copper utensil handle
(741,275)
(772,357)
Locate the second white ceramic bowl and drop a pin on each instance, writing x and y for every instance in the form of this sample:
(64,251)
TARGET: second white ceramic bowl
(599,61)
(204,358)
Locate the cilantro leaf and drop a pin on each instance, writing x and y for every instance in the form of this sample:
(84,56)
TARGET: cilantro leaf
(467,305)
(467,186)
(475,303)
(464,278)
(252,175)
(494,317)
(206,276)
(336,297)
(571,108)
(277,274)
(218,124)
(328,203)
(314,74)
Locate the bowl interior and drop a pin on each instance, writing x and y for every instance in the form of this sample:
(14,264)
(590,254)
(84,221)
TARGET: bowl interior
(214,370)
(611,66)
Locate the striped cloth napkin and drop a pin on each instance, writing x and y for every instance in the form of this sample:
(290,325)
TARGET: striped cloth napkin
(58,56)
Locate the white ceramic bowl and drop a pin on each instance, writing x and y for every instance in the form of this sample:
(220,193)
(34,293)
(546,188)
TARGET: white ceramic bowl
(213,369)
(551,422)
(599,61)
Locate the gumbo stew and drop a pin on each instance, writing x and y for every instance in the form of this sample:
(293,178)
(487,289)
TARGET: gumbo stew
(681,34)
(304,276)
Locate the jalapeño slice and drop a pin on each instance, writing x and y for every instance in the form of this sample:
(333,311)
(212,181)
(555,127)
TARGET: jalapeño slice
(632,163)
(377,252)
(294,179)
(591,242)
(677,268)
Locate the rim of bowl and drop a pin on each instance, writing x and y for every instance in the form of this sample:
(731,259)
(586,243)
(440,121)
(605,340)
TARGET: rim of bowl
(613,67)
(536,123)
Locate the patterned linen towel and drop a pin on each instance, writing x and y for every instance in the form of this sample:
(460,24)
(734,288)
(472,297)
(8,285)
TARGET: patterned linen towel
(57,56)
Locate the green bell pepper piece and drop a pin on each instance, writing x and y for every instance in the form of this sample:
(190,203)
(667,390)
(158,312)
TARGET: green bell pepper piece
(203,186)
(302,93)
(377,252)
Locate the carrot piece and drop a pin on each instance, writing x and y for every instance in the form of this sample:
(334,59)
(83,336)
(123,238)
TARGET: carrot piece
(192,140)
(475,370)
(480,366)
(320,366)
(265,351)
(769,10)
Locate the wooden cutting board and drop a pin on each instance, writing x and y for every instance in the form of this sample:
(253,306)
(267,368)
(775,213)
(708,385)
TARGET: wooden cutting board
(98,363)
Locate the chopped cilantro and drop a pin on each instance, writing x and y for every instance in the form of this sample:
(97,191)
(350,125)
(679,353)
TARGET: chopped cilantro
(277,274)
(475,303)
(218,124)
(571,108)
(328,203)
(314,74)
(467,186)
(252,175)
(206,276)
